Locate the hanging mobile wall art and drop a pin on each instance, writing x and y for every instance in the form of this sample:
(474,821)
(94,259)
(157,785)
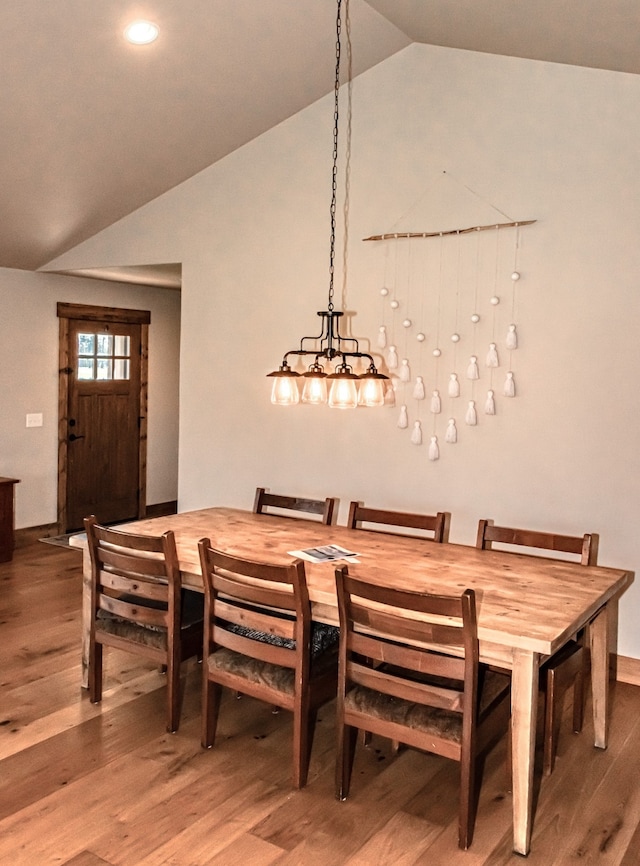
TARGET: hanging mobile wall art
(448,328)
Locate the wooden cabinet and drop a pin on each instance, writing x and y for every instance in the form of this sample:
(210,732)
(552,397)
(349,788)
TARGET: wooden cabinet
(6,518)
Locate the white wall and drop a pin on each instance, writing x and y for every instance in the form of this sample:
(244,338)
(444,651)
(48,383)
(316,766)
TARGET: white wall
(29,383)
(535,140)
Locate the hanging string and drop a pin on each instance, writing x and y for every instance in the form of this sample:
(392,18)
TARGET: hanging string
(475,316)
(425,270)
(453,388)
(419,389)
(477,195)
(392,357)
(405,370)
(436,405)
(512,339)
(446,176)
(384,292)
(495,300)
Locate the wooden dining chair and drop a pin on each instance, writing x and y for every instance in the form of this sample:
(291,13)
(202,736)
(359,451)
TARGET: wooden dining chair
(568,667)
(138,605)
(431,526)
(260,641)
(324,507)
(435,525)
(437,698)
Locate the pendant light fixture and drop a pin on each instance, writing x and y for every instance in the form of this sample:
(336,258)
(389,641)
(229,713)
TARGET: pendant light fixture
(341,388)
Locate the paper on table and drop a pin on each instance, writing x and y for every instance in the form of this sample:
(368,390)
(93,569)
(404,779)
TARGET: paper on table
(327,553)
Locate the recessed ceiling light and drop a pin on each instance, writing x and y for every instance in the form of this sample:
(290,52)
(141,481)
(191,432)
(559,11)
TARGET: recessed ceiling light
(141,32)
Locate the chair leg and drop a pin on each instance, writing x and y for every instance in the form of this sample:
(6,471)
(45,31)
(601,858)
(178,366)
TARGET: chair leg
(466,819)
(578,702)
(95,672)
(347,737)
(211,695)
(550,744)
(173,696)
(558,679)
(303,726)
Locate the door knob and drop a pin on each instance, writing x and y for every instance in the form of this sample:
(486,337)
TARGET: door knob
(73,437)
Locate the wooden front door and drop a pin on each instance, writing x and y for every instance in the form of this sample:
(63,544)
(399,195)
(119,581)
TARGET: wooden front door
(102,418)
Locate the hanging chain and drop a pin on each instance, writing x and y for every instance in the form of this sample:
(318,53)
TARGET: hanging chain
(334,176)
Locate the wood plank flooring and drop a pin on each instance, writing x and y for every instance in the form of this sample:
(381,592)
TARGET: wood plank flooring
(105,785)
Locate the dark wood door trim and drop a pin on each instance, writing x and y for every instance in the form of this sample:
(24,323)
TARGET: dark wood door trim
(100,314)
(103,314)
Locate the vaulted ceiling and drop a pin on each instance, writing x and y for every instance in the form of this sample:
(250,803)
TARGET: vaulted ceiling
(92,128)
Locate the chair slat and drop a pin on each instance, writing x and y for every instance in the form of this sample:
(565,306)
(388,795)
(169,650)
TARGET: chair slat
(324,507)
(266,622)
(387,621)
(253,649)
(435,605)
(583,546)
(268,593)
(128,563)
(437,524)
(433,661)
(139,543)
(135,586)
(133,612)
(445,698)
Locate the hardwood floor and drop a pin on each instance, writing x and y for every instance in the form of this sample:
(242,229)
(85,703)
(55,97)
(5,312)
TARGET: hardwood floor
(94,785)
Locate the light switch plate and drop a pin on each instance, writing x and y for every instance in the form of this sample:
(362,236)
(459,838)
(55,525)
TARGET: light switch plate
(34,419)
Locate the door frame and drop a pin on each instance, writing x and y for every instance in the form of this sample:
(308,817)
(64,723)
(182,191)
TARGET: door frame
(101,315)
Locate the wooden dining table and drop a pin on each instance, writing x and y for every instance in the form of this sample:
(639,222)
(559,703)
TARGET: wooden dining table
(528,606)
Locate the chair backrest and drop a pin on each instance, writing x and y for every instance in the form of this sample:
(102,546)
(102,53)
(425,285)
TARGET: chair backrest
(437,524)
(323,507)
(244,597)
(584,546)
(135,577)
(378,625)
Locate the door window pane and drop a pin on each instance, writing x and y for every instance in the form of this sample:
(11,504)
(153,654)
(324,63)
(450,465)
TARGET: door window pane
(86,344)
(104,368)
(105,344)
(85,368)
(121,345)
(120,368)
(103,356)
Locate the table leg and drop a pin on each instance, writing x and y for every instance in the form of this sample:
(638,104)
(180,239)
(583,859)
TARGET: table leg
(86,616)
(524,705)
(599,645)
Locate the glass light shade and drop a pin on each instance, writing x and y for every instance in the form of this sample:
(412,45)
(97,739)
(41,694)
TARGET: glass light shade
(343,393)
(285,390)
(371,392)
(314,390)
(141,32)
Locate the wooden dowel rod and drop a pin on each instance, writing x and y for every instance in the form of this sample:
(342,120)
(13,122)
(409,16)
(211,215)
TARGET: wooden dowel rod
(396,235)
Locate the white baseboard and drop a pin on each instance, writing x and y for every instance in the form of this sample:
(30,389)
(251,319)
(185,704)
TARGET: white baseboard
(628,670)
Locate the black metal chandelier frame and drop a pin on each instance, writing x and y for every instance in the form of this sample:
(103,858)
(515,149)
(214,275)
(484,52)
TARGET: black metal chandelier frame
(330,344)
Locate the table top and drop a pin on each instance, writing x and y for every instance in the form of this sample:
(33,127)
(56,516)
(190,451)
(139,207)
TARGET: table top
(523,602)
